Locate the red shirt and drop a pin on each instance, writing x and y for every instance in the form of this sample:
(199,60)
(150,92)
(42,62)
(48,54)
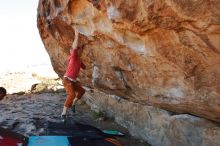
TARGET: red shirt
(74,65)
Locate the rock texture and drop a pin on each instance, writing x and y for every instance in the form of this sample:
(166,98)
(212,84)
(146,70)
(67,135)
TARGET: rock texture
(163,53)
(157,126)
(152,54)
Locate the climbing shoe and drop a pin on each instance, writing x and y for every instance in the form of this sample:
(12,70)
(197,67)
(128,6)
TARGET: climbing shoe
(63,118)
(74,108)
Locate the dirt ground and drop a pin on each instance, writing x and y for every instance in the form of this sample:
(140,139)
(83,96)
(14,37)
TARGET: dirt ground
(27,114)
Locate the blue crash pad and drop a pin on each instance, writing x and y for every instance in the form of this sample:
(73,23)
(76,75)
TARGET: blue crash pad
(48,141)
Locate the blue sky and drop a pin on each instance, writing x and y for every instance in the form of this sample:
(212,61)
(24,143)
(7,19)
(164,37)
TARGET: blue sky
(20,43)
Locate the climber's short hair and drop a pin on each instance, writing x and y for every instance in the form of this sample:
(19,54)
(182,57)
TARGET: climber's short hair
(2,92)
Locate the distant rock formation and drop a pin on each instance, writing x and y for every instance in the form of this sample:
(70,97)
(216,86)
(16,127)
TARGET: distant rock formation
(161,53)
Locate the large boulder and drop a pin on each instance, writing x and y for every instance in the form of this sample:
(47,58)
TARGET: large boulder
(157,126)
(163,53)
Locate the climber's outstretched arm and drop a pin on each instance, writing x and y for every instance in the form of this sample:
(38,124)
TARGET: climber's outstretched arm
(75,42)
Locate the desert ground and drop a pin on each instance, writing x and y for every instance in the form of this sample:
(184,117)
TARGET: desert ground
(34,99)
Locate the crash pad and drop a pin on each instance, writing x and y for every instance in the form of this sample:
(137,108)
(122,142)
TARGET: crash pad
(48,141)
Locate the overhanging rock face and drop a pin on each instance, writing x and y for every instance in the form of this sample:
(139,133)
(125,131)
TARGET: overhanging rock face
(163,53)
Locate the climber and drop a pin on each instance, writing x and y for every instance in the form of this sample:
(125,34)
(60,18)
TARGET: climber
(72,86)
(2,92)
